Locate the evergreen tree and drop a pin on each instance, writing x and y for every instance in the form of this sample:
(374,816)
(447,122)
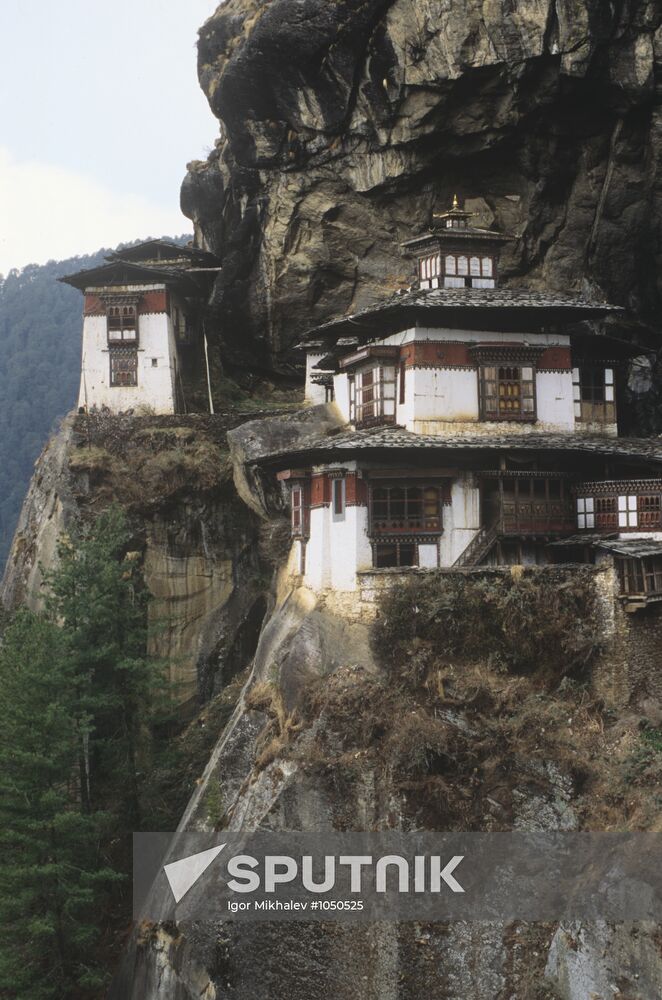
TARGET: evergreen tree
(98,595)
(78,695)
(52,878)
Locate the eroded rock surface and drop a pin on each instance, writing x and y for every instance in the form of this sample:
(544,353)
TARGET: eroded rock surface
(344,125)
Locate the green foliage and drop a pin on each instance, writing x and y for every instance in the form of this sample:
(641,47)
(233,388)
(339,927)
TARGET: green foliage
(537,620)
(97,593)
(653,738)
(78,696)
(52,878)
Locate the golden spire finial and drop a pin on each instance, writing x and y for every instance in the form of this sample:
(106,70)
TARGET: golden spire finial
(456,203)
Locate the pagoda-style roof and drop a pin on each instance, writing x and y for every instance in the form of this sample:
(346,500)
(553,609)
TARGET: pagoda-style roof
(344,442)
(166,253)
(149,262)
(500,309)
(453,227)
(122,272)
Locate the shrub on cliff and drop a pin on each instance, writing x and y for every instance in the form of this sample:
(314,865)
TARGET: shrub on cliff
(538,620)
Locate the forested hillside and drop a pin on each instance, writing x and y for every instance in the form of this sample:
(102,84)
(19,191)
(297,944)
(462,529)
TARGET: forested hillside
(40,341)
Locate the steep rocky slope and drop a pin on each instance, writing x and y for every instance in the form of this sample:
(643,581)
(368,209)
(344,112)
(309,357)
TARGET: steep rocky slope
(204,560)
(344,125)
(355,717)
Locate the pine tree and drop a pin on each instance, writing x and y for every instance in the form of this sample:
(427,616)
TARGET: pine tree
(98,596)
(52,878)
(78,694)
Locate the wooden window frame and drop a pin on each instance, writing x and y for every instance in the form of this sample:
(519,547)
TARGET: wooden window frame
(418,511)
(121,319)
(300,510)
(123,353)
(494,376)
(401,547)
(338,499)
(371,395)
(479,267)
(429,269)
(594,394)
(640,577)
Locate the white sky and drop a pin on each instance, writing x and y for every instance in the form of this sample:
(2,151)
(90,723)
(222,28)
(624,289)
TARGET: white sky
(100,110)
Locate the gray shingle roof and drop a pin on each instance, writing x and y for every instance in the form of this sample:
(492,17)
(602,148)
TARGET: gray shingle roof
(451,304)
(390,437)
(635,548)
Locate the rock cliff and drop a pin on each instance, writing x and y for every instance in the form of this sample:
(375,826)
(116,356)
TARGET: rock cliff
(351,719)
(200,545)
(344,125)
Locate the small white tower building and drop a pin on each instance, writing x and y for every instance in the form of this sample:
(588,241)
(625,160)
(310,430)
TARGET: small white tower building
(140,316)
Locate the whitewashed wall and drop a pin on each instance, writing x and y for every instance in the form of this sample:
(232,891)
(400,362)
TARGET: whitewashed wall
(156,385)
(461,520)
(446,401)
(341,394)
(314,394)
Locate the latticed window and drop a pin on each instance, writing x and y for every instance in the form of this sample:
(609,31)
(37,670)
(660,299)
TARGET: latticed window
(372,396)
(122,323)
(123,366)
(508,392)
(606,512)
(406,509)
(649,511)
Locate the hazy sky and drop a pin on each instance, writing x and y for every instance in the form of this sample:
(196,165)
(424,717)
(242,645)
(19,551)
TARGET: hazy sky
(100,110)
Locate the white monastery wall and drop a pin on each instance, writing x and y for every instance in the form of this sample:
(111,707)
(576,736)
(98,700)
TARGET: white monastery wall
(555,406)
(422,333)
(461,520)
(453,392)
(341,394)
(314,393)
(155,383)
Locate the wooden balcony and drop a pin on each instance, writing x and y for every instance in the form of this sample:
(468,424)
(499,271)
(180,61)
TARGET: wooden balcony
(522,505)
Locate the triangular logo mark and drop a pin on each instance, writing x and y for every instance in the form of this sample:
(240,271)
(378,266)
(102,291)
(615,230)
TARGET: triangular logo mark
(182,875)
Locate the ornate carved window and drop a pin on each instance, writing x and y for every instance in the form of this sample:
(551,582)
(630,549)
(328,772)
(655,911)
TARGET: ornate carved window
(649,511)
(123,366)
(395,509)
(611,508)
(507,392)
(122,322)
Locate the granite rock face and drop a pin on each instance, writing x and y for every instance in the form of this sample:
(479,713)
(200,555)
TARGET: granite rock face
(344,125)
